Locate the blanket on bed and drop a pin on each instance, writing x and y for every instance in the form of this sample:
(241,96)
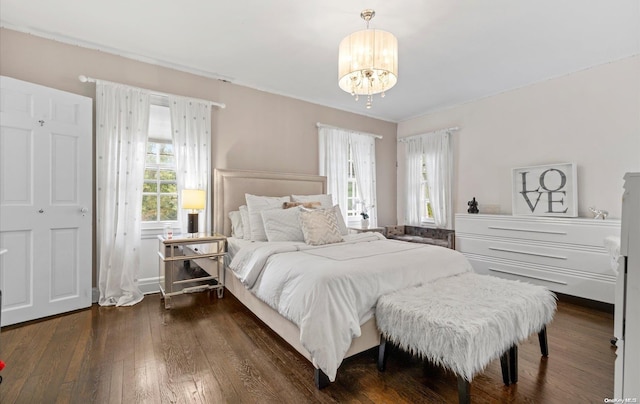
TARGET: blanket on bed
(329,291)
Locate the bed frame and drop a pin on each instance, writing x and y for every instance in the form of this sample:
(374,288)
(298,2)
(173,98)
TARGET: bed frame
(230,187)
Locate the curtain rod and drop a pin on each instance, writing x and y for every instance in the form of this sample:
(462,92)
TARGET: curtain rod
(322,125)
(86,79)
(448,130)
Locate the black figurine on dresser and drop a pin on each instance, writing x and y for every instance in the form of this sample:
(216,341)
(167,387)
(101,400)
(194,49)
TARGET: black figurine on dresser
(473,206)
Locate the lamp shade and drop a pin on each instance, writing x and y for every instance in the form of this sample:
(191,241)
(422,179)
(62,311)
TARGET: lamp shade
(193,199)
(368,62)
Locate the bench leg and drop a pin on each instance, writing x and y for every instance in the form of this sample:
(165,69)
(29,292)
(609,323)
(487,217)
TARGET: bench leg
(509,365)
(464,391)
(321,379)
(513,363)
(542,337)
(504,365)
(383,353)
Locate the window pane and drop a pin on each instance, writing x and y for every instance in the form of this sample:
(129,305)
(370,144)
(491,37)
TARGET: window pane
(152,150)
(149,208)
(166,154)
(166,175)
(168,207)
(150,174)
(168,188)
(150,187)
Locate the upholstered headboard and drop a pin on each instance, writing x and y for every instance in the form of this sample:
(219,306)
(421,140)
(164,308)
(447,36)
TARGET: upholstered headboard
(230,187)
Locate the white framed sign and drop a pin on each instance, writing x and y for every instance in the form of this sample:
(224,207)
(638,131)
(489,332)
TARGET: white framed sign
(548,190)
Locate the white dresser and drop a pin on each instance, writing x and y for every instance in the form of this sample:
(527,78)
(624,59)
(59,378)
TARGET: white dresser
(566,255)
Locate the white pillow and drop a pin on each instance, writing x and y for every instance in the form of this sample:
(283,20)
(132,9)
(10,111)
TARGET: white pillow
(342,226)
(282,224)
(326,200)
(255,205)
(320,227)
(236,224)
(246,225)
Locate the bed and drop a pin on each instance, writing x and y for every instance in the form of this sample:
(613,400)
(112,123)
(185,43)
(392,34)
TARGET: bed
(230,187)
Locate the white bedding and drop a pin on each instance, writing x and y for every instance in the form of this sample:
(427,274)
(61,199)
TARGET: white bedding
(329,291)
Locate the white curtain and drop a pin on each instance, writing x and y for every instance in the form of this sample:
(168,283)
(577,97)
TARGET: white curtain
(122,120)
(414,152)
(363,149)
(439,163)
(334,158)
(191,132)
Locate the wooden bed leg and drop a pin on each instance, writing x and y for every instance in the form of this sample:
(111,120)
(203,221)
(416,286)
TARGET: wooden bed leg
(321,379)
(464,391)
(383,353)
(513,363)
(542,337)
(504,365)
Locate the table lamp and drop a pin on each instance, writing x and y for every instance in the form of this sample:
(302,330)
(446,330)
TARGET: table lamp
(193,199)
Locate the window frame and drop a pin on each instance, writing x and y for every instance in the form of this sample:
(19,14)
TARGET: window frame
(159,225)
(425,201)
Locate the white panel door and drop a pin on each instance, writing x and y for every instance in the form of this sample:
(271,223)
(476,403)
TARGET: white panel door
(45,201)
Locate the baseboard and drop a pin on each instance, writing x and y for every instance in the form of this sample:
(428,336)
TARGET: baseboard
(581,301)
(147,286)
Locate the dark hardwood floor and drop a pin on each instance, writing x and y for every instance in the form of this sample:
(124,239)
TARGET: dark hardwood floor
(207,350)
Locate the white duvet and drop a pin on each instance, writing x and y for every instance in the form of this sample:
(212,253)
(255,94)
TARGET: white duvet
(329,291)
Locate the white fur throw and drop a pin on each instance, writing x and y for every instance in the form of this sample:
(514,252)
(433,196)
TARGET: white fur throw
(464,322)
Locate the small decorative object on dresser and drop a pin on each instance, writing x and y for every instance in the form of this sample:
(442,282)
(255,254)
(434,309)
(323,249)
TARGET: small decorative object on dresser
(549,190)
(599,213)
(473,206)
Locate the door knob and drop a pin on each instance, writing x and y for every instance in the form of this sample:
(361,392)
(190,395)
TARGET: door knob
(83,210)
(41,211)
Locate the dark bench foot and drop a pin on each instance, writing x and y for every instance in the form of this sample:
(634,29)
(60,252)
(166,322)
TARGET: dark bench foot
(464,391)
(383,353)
(321,379)
(509,365)
(542,337)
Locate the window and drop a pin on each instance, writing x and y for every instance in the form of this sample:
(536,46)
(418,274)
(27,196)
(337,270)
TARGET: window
(160,188)
(426,212)
(348,159)
(352,189)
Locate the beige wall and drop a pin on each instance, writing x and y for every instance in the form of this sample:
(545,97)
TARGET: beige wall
(257,130)
(591,118)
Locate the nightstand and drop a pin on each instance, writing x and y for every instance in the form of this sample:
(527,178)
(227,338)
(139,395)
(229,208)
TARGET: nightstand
(357,229)
(178,276)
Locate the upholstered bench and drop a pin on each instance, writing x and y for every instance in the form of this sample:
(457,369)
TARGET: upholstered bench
(424,235)
(463,322)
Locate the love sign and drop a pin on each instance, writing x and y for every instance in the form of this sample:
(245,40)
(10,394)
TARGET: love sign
(549,190)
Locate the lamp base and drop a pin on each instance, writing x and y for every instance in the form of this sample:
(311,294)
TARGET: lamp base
(192,223)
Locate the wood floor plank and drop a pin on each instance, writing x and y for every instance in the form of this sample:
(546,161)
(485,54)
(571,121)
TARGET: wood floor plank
(209,350)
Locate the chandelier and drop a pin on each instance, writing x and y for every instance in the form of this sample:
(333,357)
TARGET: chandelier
(368,61)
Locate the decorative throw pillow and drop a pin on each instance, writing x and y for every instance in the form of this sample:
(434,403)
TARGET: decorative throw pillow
(236,224)
(282,224)
(246,225)
(320,227)
(256,204)
(326,200)
(308,205)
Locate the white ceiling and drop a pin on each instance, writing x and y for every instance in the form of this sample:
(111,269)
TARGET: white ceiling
(450,51)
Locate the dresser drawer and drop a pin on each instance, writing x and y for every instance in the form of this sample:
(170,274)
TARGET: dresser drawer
(582,259)
(595,288)
(571,231)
